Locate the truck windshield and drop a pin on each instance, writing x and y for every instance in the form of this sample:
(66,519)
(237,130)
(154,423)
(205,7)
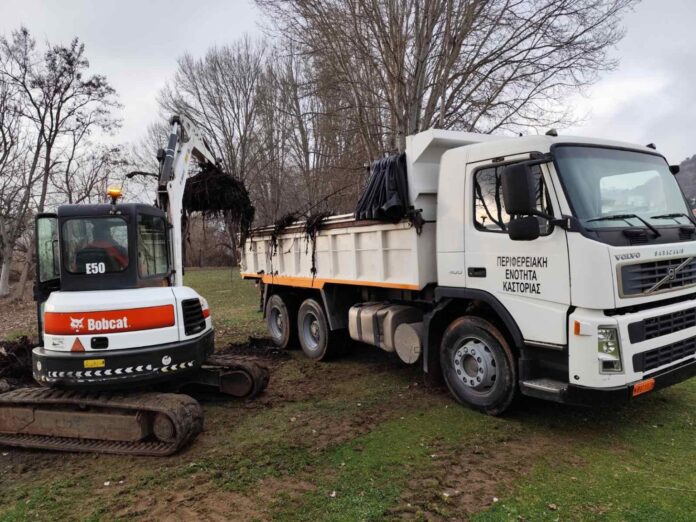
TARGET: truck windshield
(95,245)
(619,188)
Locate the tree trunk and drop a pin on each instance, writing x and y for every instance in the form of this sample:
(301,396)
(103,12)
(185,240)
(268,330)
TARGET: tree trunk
(5,274)
(28,263)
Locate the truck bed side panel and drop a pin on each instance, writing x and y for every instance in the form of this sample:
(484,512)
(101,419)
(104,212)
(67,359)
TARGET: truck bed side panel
(374,254)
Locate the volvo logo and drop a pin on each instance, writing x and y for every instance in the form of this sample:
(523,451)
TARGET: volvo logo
(671,274)
(626,257)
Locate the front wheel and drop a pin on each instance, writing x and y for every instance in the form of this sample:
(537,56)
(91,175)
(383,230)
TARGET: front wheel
(478,365)
(318,342)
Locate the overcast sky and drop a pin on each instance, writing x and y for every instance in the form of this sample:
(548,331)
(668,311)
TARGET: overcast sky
(649,98)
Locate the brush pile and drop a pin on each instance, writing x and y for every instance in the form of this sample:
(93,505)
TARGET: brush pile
(216,193)
(311,228)
(279,227)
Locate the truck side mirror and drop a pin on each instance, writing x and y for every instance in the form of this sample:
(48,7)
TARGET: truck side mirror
(519,191)
(523,228)
(519,195)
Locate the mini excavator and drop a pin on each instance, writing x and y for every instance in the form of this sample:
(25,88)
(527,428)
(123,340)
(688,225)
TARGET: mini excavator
(115,322)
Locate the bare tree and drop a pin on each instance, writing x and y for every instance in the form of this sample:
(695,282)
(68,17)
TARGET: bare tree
(220,94)
(16,182)
(322,151)
(57,102)
(479,65)
(83,172)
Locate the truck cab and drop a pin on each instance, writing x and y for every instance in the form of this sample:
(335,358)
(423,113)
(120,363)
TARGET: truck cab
(583,251)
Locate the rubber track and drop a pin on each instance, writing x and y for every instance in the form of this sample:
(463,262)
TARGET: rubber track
(258,373)
(184,411)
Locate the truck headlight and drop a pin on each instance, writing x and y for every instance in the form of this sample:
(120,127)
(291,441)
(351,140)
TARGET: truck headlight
(609,350)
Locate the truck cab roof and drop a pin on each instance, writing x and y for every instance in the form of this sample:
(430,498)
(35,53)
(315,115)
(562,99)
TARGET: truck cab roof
(504,146)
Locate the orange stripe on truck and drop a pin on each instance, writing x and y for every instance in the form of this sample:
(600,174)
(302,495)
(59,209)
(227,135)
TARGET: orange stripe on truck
(309,282)
(109,321)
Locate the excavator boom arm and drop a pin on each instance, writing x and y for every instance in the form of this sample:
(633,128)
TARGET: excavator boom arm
(185,142)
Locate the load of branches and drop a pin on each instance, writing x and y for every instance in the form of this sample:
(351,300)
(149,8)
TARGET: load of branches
(213,192)
(313,225)
(279,227)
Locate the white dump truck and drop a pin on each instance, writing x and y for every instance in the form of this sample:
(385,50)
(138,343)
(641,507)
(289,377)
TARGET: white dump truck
(555,267)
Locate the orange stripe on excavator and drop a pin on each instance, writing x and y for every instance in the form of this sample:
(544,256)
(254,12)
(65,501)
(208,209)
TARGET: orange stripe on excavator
(309,282)
(109,321)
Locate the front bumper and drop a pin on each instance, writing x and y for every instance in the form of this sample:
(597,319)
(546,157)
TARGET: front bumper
(582,396)
(120,368)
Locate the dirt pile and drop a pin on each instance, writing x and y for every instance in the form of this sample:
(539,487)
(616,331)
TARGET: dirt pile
(15,363)
(255,347)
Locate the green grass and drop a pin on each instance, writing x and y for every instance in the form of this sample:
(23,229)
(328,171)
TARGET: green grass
(13,335)
(234,303)
(357,439)
(639,464)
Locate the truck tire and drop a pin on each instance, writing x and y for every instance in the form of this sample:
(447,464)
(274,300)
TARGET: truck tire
(281,320)
(318,342)
(478,365)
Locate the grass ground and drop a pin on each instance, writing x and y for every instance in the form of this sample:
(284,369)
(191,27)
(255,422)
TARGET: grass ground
(361,439)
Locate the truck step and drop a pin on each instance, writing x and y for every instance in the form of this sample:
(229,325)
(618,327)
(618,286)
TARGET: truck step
(544,388)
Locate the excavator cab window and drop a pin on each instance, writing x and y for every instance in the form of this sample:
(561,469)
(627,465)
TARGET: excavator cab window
(153,251)
(94,246)
(47,262)
(47,251)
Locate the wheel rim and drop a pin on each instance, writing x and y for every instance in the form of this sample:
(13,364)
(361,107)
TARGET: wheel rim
(311,331)
(276,323)
(475,365)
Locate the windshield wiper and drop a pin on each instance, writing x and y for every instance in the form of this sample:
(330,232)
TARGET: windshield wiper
(625,217)
(673,216)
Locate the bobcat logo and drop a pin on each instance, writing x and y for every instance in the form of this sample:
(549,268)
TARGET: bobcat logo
(76,324)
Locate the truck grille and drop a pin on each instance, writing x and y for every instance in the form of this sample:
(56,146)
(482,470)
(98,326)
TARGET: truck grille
(194,321)
(661,325)
(646,361)
(639,278)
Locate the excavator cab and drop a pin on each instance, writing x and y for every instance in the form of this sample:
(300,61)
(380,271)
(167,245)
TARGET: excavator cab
(113,247)
(108,311)
(100,247)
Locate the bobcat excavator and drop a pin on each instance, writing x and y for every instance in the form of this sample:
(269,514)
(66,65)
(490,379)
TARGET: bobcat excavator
(114,318)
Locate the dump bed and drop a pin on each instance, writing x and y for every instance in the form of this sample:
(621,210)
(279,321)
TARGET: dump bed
(366,253)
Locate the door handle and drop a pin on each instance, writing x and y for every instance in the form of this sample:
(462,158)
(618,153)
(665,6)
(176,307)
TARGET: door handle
(476,271)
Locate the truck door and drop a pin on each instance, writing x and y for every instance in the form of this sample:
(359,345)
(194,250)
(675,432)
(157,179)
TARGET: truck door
(530,278)
(47,278)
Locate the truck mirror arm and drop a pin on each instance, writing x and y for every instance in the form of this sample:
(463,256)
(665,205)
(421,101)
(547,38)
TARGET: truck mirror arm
(568,223)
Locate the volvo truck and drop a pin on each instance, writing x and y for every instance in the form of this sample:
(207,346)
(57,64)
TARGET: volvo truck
(555,267)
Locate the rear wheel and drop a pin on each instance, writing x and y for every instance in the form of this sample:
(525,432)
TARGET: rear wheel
(280,320)
(318,342)
(478,365)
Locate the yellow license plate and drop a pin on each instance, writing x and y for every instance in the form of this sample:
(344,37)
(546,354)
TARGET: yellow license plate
(95,363)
